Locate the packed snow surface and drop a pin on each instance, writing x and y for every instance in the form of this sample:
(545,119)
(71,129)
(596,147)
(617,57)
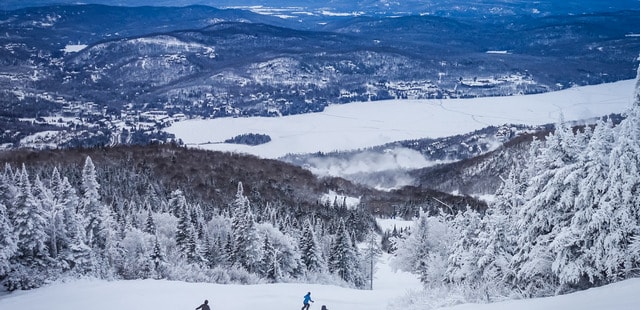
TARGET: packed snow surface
(360,125)
(389,290)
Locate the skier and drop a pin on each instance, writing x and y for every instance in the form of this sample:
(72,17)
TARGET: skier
(305,303)
(204,306)
(324,307)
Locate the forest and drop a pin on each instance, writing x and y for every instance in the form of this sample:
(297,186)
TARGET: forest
(565,219)
(58,224)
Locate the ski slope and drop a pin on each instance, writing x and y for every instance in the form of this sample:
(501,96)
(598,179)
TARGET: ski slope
(389,293)
(360,125)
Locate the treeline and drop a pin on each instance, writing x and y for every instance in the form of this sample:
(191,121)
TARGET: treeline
(58,224)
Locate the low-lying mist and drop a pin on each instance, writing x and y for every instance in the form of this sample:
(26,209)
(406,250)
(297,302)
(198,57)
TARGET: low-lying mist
(382,170)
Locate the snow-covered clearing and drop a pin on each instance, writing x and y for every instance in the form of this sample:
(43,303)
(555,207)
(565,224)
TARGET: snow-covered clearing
(389,292)
(389,224)
(360,125)
(72,48)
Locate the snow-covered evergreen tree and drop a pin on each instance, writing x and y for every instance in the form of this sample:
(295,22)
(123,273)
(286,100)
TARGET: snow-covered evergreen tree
(73,246)
(157,258)
(100,224)
(186,239)
(30,224)
(620,202)
(466,252)
(150,225)
(549,206)
(248,247)
(79,256)
(53,213)
(575,261)
(497,241)
(270,268)
(247,243)
(8,244)
(412,251)
(310,250)
(177,202)
(343,257)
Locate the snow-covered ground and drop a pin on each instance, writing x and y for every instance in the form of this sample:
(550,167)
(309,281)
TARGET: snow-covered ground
(389,293)
(171,295)
(619,296)
(359,125)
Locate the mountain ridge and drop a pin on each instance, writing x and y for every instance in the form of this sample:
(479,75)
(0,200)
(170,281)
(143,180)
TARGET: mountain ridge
(234,63)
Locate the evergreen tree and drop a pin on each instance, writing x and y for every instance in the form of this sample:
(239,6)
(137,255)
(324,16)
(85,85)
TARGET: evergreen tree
(549,197)
(8,191)
(620,203)
(156,257)
(497,241)
(72,246)
(412,251)
(248,244)
(269,265)
(150,225)
(465,251)
(575,263)
(31,261)
(310,250)
(186,240)
(53,213)
(215,252)
(229,250)
(30,224)
(152,199)
(177,202)
(79,256)
(343,259)
(8,244)
(100,225)
(8,240)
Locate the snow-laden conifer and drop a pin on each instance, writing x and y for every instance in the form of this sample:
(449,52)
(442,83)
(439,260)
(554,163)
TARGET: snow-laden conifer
(30,224)
(412,251)
(100,225)
(343,257)
(8,245)
(269,267)
(310,249)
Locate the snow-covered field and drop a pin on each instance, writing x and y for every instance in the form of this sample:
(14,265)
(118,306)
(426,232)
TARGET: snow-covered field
(389,292)
(360,125)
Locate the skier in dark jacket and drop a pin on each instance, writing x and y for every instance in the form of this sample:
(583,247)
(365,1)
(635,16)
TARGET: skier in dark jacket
(204,306)
(305,302)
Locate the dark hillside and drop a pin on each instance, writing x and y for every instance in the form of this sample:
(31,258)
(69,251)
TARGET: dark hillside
(480,174)
(211,178)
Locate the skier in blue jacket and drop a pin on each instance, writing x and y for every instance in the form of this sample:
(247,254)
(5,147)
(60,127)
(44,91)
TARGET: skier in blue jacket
(305,302)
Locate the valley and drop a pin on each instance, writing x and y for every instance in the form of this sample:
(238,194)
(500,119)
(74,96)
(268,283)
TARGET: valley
(411,155)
